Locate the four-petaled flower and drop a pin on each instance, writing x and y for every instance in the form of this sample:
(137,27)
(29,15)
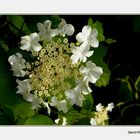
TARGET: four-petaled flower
(110,107)
(24,88)
(89,36)
(18,64)
(75,96)
(31,43)
(61,105)
(64,28)
(99,107)
(45,31)
(92,72)
(81,53)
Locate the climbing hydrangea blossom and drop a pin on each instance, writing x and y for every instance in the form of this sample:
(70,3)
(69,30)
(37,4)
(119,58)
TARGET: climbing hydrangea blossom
(59,73)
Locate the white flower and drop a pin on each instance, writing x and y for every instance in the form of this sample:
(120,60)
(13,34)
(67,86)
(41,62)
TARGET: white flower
(30,43)
(64,28)
(75,96)
(18,64)
(45,31)
(92,72)
(99,107)
(80,53)
(93,121)
(88,35)
(83,85)
(110,107)
(24,88)
(64,121)
(35,101)
(61,105)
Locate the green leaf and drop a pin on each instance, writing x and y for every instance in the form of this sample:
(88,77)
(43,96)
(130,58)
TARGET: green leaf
(99,54)
(90,22)
(88,103)
(21,121)
(73,117)
(125,91)
(83,121)
(39,120)
(21,110)
(17,25)
(97,58)
(137,84)
(105,77)
(99,27)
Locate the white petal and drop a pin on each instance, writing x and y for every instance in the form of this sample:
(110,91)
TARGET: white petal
(54,101)
(37,47)
(35,103)
(47,24)
(62,105)
(94,33)
(64,121)
(92,78)
(80,99)
(40,27)
(90,65)
(83,70)
(94,43)
(34,37)
(85,88)
(92,121)
(69,30)
(86,30)
(74,58)
(70,95)
(89,53)
(25,47)
(83,59)
(110,107)
(80,37)
(25,39)
(28,97)
(75,50)
(99,107)
(54,32)
(57,121)
(62,24)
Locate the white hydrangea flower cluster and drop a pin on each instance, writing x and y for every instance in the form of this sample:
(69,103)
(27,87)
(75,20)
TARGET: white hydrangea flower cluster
(101,116)
(59,74)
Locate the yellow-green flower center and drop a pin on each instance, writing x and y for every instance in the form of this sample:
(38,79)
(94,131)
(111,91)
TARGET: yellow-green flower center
(52,73)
